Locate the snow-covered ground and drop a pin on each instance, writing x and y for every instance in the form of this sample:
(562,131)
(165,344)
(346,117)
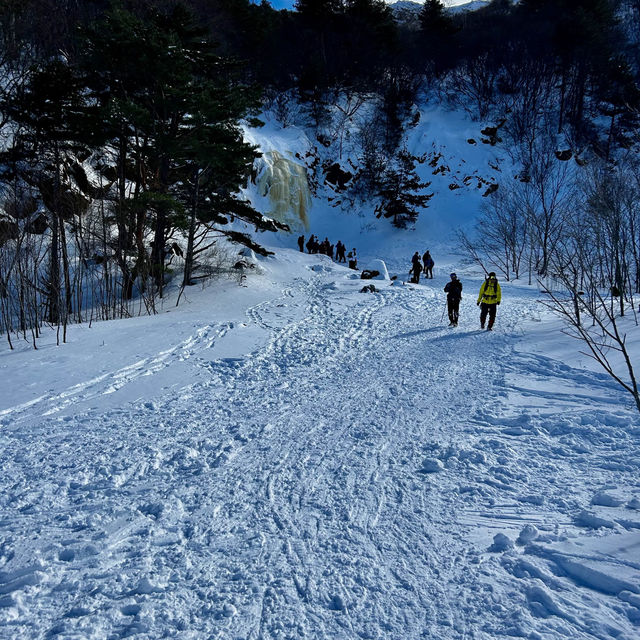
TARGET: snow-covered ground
(296,459)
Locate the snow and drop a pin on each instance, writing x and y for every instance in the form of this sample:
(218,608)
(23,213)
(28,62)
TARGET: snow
(292,458)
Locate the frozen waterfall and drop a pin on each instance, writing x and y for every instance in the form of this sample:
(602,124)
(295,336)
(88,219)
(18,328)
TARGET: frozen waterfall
(285,183)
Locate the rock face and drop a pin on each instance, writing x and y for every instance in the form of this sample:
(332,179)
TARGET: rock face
(337,177)
(284,182)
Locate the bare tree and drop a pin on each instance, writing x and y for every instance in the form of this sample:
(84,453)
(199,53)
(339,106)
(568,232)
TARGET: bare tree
(610,206)
(592,320)
(547,196)
(472,86)
(503,230)
(589,262)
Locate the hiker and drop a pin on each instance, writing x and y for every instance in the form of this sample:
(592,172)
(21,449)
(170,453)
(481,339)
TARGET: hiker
(428,265)
(301,244)
(453,289)
(340,249)
(416,268)
(488,300)
(353,260)
(310,243)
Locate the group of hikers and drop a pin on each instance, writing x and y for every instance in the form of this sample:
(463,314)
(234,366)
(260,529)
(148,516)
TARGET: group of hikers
(488,300)
(421,265)
(313,245)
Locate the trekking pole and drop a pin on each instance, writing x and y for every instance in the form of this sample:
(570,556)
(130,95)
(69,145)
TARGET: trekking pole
(445,308)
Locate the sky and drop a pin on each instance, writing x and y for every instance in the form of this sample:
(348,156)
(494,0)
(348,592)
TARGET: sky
(288,4)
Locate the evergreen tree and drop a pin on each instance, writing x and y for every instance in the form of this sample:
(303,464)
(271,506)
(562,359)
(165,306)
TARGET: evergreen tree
(400,189)
(434,19)
(436,34)
(318,10)
(181,97)
(49,115)
(369,39)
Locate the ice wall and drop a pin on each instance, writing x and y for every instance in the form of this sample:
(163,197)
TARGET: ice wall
(285,184)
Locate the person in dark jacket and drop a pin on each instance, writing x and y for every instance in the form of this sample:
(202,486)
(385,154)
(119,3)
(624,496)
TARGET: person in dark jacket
(301,243)
(416,268)
(340,249)
(428,265)
(310,243)
(453,289)
(488,300)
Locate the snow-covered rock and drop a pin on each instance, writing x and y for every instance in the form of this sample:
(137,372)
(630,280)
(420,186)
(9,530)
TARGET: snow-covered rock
(529,533)
(501,542)
(378,266)
(432,465)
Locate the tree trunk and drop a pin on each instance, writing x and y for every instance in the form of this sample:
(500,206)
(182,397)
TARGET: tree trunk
(188,259)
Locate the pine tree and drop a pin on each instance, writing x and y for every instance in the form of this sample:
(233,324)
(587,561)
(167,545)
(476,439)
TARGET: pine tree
(434,20)
(318,10)
(400,189)
(179,105)
(49,115)
(369,38)
(436,30)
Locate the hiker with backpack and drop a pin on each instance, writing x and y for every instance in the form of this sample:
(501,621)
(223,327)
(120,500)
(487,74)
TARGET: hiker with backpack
(488,300)
(453,289)
(428,265)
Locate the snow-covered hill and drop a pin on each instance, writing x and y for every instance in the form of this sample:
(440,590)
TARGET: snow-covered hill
(459,164)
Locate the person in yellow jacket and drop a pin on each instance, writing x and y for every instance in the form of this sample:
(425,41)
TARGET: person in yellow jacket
(489,299)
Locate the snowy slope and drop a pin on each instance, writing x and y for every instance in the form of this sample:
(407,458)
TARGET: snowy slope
(460,167)
(296,459)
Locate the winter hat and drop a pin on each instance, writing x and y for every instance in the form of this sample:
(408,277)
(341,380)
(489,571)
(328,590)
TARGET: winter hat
(453,275)
(492,274)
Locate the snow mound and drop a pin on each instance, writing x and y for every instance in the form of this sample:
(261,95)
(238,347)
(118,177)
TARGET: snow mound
(380,267)
(528,533)
(432,465)
(501,542)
